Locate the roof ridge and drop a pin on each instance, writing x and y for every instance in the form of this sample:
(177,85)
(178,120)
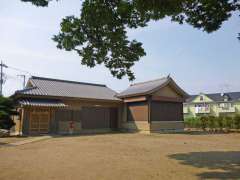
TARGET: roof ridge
(217,93)
(66,81)
(149,81)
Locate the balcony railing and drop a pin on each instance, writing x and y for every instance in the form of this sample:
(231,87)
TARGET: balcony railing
(226,110)
(202,110)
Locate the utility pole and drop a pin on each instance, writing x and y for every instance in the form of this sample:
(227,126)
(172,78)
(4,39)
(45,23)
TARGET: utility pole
(1,77)
(24,79)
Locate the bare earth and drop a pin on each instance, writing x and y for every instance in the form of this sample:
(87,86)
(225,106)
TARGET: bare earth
(7,140)
(124,156)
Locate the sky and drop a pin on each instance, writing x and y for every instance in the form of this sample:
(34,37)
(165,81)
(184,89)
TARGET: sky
(197,61)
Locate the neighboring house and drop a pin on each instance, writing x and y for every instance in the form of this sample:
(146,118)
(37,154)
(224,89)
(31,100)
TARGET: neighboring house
(59,107)
(218,104)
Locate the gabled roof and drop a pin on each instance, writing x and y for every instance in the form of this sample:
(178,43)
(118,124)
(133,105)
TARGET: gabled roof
(40,86)
(149,87)
(219,97)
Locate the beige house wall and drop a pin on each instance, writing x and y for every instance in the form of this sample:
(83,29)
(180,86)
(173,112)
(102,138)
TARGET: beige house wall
(205,99)
(167,91)
(214,107)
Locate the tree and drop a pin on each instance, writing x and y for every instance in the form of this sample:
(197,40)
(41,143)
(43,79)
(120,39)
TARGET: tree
(99,35)
(6,111)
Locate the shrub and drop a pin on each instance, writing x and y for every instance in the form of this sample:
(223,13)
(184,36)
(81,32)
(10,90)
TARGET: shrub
(228,122)
(188,122)
(220,122)
(204,122)
(6,111)
(211,123)
(192,122)
(236,120)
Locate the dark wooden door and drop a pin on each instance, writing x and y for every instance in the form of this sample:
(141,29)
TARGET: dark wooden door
(95,118)
(166,111)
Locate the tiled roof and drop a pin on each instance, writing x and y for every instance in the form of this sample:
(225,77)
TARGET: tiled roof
(150,87)
(218,97)
(39,86)
(41,102)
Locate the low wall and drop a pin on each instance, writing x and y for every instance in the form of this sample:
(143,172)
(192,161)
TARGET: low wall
(140,126)
(166,125)
(154,126)
(63,127)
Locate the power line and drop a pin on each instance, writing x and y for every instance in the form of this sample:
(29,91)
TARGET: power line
(23,75)
(20,70)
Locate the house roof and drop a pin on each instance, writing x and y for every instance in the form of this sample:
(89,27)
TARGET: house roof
(40,86)
(149,87)
(218,97)
(42,102)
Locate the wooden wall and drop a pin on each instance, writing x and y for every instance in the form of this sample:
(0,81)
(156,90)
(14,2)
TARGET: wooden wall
(138,111)
(166,111)
(60,118)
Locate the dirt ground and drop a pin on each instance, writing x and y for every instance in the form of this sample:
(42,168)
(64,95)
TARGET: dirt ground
(124,156)
(13,139)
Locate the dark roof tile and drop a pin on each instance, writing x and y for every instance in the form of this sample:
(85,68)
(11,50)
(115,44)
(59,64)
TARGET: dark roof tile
(62,88)
(218,97)
(149,87)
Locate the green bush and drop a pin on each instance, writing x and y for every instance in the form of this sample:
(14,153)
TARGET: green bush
(6,111)
(211,122)
(236,120)
(228,122)
(220,122)
(192,122)
(204,122)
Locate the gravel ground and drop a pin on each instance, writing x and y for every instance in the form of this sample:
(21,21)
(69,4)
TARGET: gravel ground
(13,139)
(125,156)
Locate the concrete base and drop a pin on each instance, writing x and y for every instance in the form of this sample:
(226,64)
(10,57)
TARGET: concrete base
(154,126)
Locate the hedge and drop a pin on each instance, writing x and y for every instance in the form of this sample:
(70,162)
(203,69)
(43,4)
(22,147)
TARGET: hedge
(213,123)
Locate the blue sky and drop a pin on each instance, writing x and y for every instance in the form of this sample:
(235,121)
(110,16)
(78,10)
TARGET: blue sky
(199,62)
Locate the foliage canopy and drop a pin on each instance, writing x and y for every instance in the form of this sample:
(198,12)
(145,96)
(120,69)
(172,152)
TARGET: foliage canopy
(99,34)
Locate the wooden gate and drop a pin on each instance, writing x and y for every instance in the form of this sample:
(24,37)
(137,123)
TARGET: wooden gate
(39,122)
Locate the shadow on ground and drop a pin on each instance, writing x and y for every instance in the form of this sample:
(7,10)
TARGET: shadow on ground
(3,143)
(220,164)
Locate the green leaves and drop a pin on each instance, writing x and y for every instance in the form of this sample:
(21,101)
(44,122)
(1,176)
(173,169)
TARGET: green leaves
(99,35)
(206,14)
(41,3)
(6,111)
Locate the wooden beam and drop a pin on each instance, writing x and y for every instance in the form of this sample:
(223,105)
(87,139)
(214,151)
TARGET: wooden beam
(135,99)
(170,99)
